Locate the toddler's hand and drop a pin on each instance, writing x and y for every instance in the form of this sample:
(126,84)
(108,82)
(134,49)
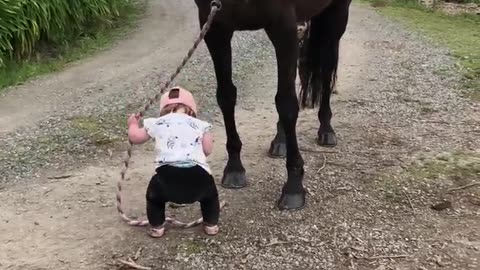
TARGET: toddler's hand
(133,119)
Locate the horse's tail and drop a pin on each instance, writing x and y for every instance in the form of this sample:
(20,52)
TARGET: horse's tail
(318,56)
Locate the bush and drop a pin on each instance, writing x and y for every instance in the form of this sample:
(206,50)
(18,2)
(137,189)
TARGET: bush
(25,25)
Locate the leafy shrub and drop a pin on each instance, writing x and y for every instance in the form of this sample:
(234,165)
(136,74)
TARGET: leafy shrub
(26,24)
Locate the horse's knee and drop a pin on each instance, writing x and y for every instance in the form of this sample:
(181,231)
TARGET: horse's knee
(287,108)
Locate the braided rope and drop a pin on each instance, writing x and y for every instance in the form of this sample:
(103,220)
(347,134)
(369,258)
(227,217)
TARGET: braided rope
(216,5)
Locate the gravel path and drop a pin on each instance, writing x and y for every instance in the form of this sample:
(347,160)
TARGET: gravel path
(400,120)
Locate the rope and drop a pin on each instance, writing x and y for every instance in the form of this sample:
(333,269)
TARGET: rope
(216,5)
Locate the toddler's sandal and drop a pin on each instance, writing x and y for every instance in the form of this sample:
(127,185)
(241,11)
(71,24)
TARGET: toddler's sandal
(210,229)
(157,232)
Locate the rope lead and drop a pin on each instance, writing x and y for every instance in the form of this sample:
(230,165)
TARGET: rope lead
(216,5)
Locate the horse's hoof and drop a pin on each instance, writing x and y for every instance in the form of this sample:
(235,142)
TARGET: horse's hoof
(328,139)
(234,180)
(277,150)
(292,201)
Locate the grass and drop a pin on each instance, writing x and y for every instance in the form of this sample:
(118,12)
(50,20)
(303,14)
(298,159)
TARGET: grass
(459,33)
(461,167)
(55,59)
(432,176)
(104,131)
(74,141)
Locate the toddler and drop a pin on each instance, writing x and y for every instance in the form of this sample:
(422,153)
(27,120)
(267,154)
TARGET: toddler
(182,143)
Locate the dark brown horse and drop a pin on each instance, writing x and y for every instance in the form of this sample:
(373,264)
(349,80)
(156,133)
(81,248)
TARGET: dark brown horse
(318,61)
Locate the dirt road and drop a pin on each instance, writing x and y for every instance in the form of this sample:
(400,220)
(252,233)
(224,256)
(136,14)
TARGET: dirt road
(405,137)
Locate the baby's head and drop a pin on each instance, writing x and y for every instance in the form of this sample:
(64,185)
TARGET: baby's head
(178,100)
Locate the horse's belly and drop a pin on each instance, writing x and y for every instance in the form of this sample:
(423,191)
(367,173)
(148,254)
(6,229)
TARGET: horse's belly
(245,14)
(306,9)
(256,14)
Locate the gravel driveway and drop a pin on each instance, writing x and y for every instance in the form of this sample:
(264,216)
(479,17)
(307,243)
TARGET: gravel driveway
(406,136)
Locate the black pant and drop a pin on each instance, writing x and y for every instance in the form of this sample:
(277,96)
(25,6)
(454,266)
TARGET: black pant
(182,186)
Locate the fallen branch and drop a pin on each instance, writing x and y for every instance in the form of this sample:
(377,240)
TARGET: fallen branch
(464,187)
(134,265)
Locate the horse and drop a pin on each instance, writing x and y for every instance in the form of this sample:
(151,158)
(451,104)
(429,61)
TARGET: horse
(315,58)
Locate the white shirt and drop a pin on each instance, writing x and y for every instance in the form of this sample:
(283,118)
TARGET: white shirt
(178,140)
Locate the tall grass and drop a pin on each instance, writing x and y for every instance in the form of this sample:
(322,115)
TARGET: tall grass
(27,26)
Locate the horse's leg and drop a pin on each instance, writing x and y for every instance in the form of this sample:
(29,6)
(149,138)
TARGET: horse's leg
(326,32)
(278,146)
(218,40)
(283,34)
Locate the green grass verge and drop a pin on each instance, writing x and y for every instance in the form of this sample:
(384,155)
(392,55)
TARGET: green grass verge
(459,33)
(432,177)
(15,72)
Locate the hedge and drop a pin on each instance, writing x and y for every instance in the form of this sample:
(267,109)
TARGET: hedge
(27,24)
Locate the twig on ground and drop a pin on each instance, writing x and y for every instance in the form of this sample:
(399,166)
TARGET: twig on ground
(309,191)
(61,176)
(384,257)
(335,237)
(303,149)
(357,238)
(465,187)
(134,265)
(347,166)
(353,265)
(358,249)
(324,163)
(409,201)
(435,122)
(137,254)
(462,123)
(276,242)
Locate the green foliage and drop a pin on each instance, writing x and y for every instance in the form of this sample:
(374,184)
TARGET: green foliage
(29,25)
(460,33)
